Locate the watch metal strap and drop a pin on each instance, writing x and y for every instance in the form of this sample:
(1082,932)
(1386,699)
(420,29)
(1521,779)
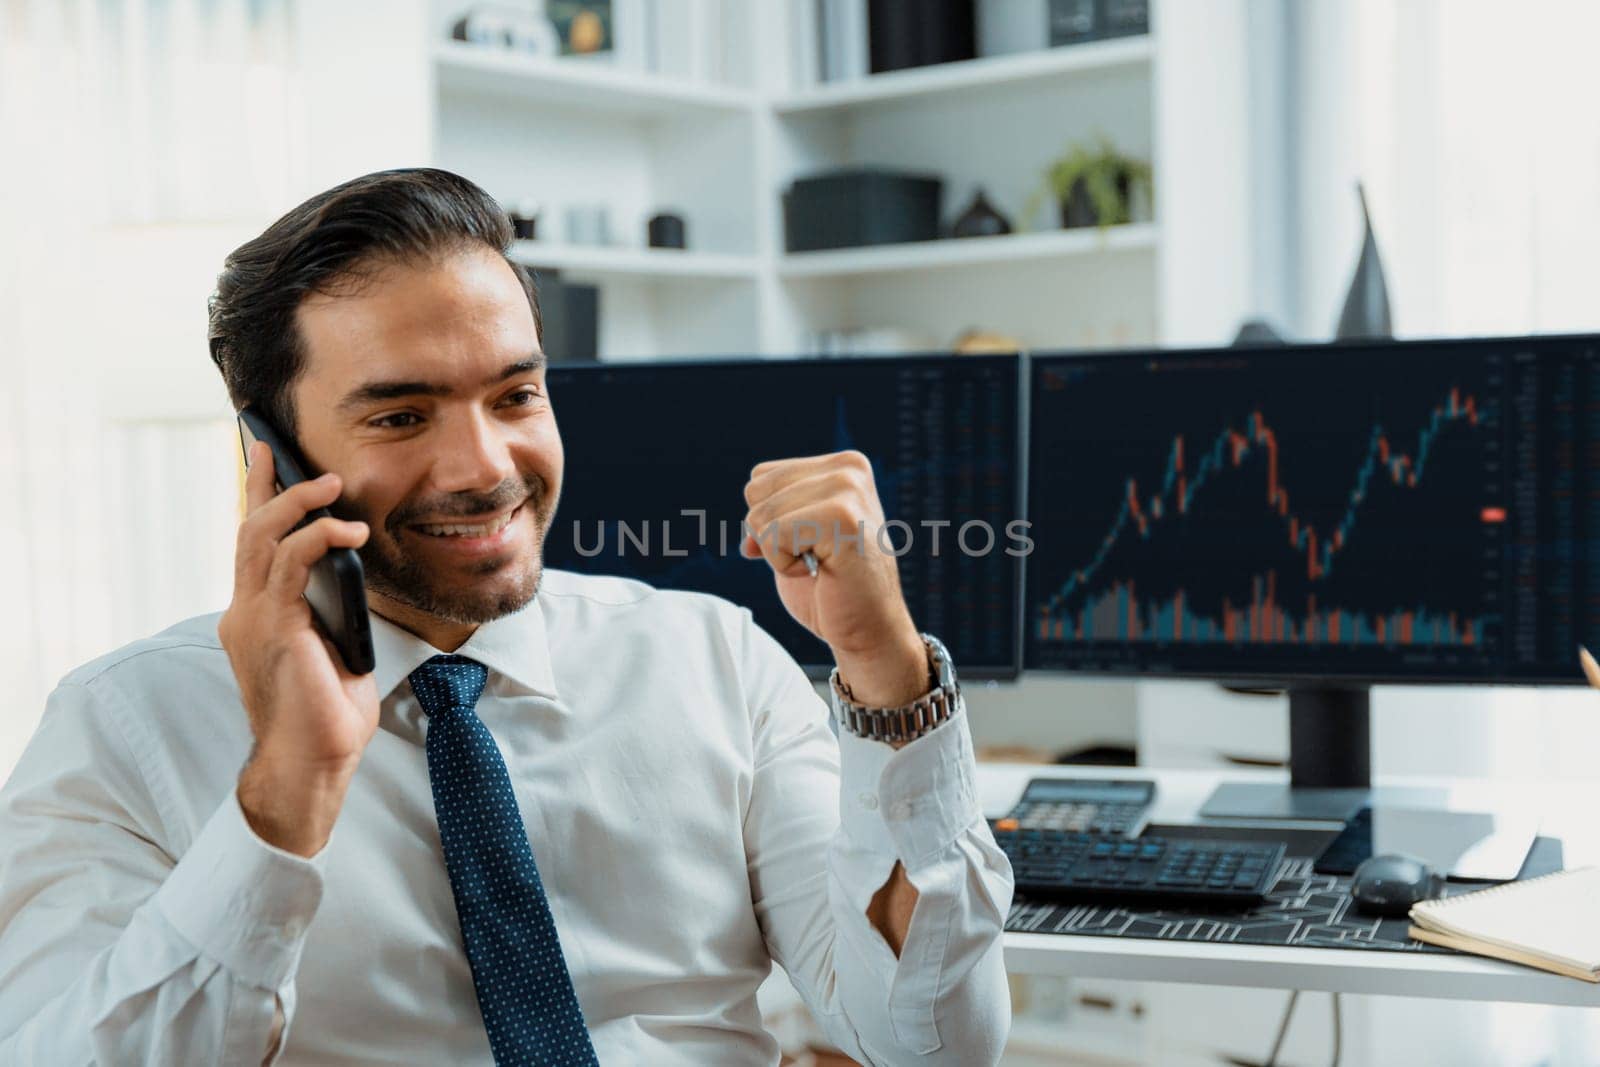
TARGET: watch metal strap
(909,721)
(905,723)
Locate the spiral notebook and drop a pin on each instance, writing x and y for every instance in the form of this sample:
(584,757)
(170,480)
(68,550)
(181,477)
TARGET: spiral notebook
(1547,922)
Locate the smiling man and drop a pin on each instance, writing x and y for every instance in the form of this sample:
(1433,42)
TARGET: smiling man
(567,818)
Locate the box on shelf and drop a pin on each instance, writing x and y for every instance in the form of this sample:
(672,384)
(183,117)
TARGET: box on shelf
(919,33)
(860,206)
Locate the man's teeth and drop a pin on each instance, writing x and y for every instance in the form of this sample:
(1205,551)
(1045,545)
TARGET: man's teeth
(457,530)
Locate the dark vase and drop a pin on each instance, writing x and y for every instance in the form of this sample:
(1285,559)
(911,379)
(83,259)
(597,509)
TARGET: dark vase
(1077,210)
(667,231)
(980,219)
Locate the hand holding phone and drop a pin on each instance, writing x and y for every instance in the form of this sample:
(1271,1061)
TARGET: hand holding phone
(337,587)
(311,715)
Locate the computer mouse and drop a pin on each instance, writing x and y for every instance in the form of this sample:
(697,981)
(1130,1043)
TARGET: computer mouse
(1389,884)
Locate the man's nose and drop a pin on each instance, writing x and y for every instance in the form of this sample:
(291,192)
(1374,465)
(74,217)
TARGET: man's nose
(473,457)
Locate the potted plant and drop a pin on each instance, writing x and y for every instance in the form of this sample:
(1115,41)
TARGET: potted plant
(1095,185)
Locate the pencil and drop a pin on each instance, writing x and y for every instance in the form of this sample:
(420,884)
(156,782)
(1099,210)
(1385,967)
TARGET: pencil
(1591,669)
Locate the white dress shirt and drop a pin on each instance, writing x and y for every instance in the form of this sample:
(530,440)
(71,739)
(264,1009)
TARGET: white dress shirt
(693,817)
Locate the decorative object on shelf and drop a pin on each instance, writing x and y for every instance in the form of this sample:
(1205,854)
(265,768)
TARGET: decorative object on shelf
(588,224)
(1006,27)
(1366,306)
(981,219)
(1071,22)
(583,26)
(841,39)
(919,33)
(858,206)
(569,316)
(667,230)
(1096,185)
(525,220)
(520,29)
(1078,21)
(975,342)
(1258,333)
(1123,18)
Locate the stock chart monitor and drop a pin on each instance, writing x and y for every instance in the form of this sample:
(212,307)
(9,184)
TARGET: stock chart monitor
(658,454)
(1416,511)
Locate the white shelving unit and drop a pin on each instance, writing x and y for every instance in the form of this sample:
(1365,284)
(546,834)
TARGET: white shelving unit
(582,132)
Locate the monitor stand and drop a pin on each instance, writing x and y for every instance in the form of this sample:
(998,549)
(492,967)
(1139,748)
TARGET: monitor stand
(1330,763)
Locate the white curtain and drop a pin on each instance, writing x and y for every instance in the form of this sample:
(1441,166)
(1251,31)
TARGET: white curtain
(1473,125)
(143,139)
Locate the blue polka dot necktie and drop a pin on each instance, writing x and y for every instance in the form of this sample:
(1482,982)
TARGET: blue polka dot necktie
(524,990)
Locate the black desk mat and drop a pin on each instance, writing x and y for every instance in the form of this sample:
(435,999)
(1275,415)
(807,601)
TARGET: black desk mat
(1304,908)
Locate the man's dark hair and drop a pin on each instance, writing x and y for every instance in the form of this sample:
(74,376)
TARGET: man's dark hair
(331,245)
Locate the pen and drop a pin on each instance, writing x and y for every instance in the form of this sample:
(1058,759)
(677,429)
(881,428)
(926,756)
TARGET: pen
(1591,669)
(811,565)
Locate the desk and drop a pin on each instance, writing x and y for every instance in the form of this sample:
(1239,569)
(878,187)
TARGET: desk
(1567,811)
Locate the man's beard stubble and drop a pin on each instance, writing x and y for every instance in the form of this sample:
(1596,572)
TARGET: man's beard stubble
(407,580)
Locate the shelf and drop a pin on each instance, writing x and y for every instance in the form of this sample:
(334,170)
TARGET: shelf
(579,85)
(645,263)
(967,251)
(920,83)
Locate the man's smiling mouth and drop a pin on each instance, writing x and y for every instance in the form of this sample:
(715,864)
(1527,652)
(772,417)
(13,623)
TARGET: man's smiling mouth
(457,529)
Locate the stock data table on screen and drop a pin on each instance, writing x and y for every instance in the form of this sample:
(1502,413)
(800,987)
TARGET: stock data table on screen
(651,447)
(1407,512)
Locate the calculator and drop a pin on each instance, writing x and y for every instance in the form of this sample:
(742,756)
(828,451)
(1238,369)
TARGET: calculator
(1083,806)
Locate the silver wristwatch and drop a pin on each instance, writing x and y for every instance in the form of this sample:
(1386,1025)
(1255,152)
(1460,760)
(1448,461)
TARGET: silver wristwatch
(909,721)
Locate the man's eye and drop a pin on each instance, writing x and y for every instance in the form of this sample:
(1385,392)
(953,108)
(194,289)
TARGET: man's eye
(394,422)
(523,397)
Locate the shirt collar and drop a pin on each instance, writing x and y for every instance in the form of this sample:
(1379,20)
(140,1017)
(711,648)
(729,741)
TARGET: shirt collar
(513,645)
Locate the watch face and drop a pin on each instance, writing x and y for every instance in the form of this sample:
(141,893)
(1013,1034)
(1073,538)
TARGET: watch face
(944,670)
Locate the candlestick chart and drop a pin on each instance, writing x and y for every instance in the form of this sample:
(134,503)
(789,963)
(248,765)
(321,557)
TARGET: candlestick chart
(1259,512)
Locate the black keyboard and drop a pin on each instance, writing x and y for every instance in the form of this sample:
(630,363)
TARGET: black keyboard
(1144,871)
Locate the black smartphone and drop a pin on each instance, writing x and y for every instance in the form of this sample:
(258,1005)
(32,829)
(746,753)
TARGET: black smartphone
(337,590)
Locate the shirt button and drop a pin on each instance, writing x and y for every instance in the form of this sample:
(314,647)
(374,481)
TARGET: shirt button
(868,801)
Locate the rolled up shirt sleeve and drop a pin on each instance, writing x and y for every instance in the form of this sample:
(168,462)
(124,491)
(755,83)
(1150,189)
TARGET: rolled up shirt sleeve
(116,946)
(815,867)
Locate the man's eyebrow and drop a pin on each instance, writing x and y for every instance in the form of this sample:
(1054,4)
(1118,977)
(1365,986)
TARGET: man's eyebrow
(373,392)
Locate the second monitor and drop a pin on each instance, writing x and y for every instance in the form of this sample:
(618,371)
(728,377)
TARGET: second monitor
(1320,518)
(1395,512)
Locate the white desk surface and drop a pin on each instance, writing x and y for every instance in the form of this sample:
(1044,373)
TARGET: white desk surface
(1567,811)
